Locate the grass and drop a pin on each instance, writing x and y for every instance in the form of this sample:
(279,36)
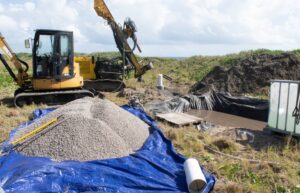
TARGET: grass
(233,175)
(11,117)
(6,82)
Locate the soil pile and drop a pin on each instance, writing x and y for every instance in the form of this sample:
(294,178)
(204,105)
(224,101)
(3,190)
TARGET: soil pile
(90,129)
(253,74)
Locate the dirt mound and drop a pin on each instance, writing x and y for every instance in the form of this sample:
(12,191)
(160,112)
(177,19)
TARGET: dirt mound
(91,129)
(253,74)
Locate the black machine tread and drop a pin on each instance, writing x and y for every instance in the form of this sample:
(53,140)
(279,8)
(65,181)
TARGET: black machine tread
(54,92)
(43,93)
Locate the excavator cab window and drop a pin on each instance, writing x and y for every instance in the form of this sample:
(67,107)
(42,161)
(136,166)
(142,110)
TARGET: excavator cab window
(66,53)
(53,55)
(44,56)
(64,46)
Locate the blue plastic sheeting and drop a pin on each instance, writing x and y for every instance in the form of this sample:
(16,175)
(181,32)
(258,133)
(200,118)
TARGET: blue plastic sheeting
(156,167)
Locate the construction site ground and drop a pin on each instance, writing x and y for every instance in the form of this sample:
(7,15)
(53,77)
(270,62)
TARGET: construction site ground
(269,164)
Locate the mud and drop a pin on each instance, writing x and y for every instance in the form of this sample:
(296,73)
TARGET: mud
(228,120)
(245,132)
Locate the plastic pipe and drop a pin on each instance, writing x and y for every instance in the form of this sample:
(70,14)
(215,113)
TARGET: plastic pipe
(194,176)
(160,82)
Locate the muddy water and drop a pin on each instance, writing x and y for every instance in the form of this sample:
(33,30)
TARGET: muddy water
(228,120)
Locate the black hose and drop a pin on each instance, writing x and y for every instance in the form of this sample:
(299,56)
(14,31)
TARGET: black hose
(134,38)
(25,64)
(120,46)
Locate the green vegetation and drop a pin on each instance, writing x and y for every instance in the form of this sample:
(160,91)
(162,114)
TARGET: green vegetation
(187,70)
(6,82)
(24,56)
(193,69)
(199,66)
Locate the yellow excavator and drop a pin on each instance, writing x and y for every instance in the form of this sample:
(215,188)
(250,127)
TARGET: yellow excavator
(55,76)
(59,77)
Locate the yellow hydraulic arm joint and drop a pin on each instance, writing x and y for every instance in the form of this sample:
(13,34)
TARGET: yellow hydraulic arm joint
(121,37)
(22,76)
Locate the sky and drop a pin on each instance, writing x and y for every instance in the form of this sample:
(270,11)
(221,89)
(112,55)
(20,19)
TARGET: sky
(171,28)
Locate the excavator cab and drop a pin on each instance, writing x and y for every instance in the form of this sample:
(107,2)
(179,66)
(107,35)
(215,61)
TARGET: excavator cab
(52,52)
(53,61)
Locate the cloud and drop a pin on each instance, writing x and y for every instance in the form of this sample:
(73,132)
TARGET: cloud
(165,27)
(29,6)
(1,8)
(8,22)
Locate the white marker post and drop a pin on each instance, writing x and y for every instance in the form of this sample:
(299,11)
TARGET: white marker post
(160,82)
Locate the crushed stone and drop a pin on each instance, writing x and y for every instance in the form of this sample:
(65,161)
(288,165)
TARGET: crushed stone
(91,129)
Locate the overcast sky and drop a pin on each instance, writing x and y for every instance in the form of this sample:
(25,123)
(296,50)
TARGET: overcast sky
(175,28)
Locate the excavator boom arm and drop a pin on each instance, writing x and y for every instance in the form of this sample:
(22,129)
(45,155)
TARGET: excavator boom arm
(102,10)
(120,38)
(22,76)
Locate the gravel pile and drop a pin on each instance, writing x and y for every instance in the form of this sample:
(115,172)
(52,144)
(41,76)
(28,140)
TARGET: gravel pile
(92,129)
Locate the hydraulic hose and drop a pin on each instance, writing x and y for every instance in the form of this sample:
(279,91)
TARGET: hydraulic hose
(25,64)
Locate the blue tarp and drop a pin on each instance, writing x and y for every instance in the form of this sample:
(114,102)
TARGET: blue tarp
(156,167)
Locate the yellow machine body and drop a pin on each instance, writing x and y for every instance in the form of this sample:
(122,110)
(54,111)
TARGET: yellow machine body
(87,67)
(52,84)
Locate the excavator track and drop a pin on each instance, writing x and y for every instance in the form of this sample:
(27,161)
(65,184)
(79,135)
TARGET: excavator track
(104,85)
(50,98)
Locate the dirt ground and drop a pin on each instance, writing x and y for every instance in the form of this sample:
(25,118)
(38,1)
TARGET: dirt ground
(253,74)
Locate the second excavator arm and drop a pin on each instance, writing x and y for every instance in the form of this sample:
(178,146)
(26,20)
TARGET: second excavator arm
(121,36)
(21,78)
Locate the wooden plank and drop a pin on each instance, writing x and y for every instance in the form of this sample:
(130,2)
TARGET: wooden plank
(179,119)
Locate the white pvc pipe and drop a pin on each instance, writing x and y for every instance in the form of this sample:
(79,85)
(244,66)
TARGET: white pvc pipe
(160,82)
(194,176)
